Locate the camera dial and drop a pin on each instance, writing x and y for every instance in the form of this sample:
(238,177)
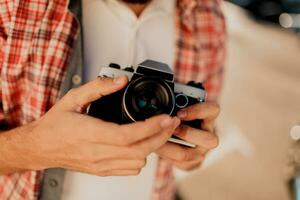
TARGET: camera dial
(181,100)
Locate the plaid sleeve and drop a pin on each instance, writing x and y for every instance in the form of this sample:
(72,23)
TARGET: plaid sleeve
(36,38)
(5,19)
(200,57)
(214,77)
(214,81)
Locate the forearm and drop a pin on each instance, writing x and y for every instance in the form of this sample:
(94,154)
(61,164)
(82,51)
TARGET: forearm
(14,150)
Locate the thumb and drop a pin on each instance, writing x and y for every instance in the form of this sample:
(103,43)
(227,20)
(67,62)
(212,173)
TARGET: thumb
(79,98)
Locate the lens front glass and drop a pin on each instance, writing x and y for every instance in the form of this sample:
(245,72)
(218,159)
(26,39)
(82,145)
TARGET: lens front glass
(147,97)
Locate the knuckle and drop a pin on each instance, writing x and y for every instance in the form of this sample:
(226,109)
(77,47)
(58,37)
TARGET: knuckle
(185,156)
(214,141)
(193,166)
(137,172)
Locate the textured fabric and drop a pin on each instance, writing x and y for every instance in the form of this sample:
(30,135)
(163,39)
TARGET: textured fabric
(125,38)
(200,57)
(36,39)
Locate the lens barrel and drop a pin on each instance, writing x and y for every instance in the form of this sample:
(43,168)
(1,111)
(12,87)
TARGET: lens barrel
(146,97)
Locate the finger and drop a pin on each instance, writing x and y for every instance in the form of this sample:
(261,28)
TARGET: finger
(79,98)
(176,152)
(107,165)
(208,125)
(120,173)
(138,131)
(153,143)
(104,166)
(92,153)
(199,137)
(189,165)
(98,131)
(199,111)
(117,172)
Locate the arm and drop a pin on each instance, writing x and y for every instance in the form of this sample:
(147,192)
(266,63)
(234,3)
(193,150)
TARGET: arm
(14,146)
(65,137)
(8,143)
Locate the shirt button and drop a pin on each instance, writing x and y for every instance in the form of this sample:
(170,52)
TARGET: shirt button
(53,182)
(295,133)
(76,79)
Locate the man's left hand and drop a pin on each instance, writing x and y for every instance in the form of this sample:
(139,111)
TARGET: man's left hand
(190,158)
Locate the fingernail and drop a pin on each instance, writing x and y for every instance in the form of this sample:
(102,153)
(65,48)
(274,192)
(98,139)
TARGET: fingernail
(182,113)
(118,80)
(166,122)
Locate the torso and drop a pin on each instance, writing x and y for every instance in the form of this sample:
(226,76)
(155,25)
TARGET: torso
(113,29)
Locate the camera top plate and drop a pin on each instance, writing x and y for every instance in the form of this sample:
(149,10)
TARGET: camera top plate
(158,69)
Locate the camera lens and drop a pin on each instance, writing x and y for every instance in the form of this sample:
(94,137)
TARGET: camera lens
(146,97)
(149,98)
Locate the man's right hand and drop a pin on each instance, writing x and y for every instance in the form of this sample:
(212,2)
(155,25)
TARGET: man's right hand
(66,137)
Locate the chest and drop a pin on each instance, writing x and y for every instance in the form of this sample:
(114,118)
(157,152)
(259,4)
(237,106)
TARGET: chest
(111,28)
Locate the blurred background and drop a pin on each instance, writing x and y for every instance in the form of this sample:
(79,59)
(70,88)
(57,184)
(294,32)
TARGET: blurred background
(257,157)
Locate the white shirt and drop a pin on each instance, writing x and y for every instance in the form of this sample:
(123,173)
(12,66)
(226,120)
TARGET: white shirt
(113,33)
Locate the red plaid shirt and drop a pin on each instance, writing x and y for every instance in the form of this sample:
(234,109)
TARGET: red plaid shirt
(36,40)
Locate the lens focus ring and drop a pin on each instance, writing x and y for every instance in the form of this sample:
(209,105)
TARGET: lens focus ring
(146,97)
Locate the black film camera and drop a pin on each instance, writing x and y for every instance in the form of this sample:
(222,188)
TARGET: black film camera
(151,91)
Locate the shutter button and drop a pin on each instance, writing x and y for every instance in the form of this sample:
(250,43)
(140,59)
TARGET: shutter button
(76,79)
(53,182)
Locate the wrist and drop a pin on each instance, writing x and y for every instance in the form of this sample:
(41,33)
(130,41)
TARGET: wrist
(15,150)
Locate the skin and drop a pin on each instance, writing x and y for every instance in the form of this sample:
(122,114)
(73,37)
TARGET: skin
(204,137)
(66,137)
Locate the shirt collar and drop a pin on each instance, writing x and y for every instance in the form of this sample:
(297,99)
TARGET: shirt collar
(188,5)
(164,5)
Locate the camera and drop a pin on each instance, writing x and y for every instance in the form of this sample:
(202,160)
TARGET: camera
(151,91)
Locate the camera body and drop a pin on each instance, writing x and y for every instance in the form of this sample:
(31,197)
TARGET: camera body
(151,91)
